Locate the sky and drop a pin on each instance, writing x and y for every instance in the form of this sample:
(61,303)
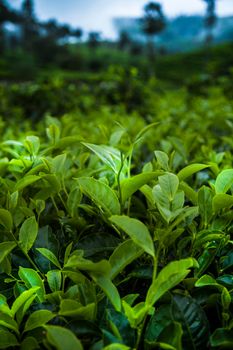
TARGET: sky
(97,15)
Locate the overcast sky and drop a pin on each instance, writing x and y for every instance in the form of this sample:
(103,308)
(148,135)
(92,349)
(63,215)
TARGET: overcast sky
(98,14)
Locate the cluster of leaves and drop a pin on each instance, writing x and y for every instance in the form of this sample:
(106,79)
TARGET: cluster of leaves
(120,244)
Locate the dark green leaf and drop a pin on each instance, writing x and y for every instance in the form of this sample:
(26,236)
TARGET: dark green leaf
(188,312)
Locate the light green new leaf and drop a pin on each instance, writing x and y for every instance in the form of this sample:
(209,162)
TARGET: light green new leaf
(53,133)
(7,339)
(116,346)
(26,181)
(54,279)
(123,255)
(131,185)
(205,196)
(221,201)
(22,298)
(32,144)
(50,256)
(169,277)
(58,163)
(144,131)
(137,231)
(5,249)
(206,280)
(32,279)
(101,194)
(73,201)
(62,338)
(28,233)
(169,184)
(224,181)
(38,319)
(162,159)
(190,170)
(109,155)
(6,219)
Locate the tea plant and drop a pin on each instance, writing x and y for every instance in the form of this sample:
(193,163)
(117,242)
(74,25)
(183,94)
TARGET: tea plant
(100,250)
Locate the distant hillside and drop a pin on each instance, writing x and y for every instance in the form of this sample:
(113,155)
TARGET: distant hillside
(182,33)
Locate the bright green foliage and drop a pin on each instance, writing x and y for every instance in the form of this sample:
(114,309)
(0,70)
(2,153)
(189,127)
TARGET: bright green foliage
(116,230)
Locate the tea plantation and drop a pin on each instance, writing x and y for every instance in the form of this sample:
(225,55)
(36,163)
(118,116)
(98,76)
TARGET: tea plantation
(116,221)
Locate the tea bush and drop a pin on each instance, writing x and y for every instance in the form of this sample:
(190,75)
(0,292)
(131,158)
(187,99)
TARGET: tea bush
(115,215)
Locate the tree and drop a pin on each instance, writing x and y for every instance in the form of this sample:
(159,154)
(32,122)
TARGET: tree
(152,23)
(30,26)
(124,40)
(77,33)
(93,39)
(210,19)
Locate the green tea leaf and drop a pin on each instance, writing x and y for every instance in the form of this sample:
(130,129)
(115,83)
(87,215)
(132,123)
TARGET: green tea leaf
(191,316)
(102,195)
(54,279)
(109,155)
(22,298)
(32,279)
(6,219)
(137,231)
(144,130)
(223,338)
(62,338)
(5,249)
(26,181)
(116,346)
(8,322)
(73,201)
(38,319)
(224,181)
(28,233)
(190,170)
(24,308)
(32,144)
(205,197)
(169,185)
(109,289)
(206,280)
(29,343)
(72,308)
(172,335)
(123,255)
(7,339)
(162,159)
(169,277)
(53,133)
(221,201)
(50,256)
(131,185)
